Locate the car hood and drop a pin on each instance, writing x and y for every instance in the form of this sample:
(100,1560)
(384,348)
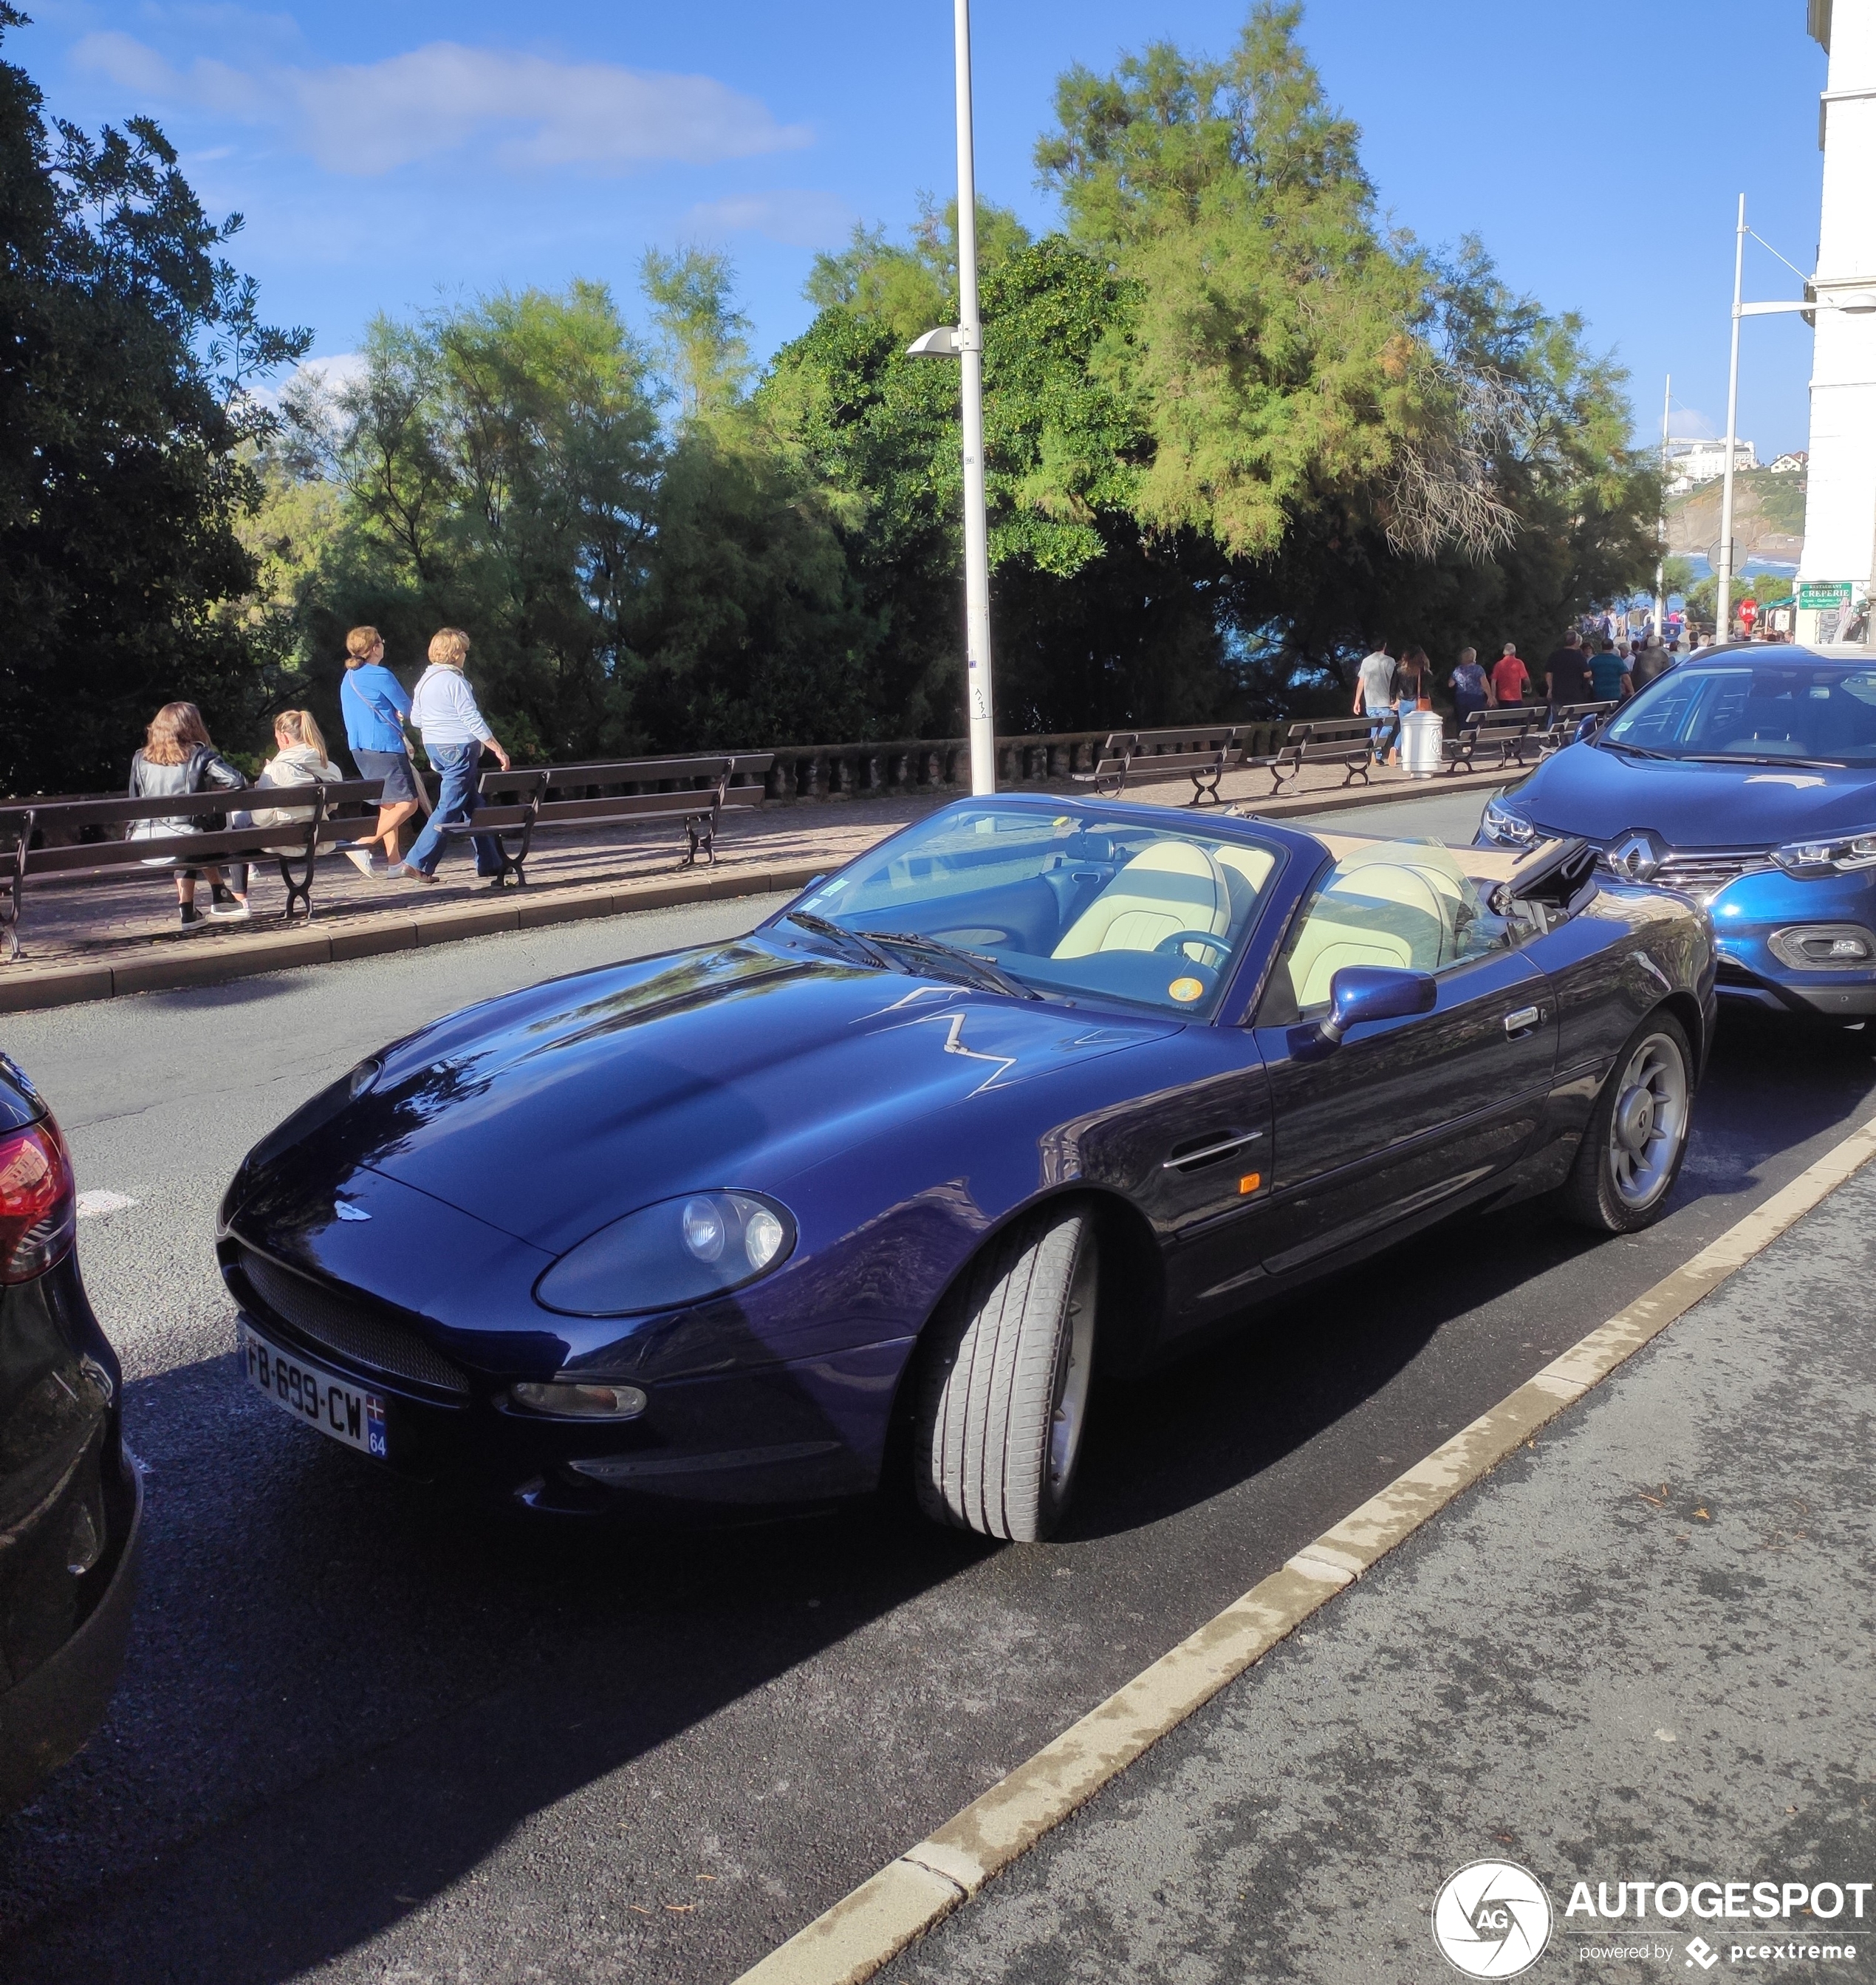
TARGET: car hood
(553,1111)
(1601,794)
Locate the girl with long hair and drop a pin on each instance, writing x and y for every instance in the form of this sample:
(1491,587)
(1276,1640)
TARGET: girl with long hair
(180,757)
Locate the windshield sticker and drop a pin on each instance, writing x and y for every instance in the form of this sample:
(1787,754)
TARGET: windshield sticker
(1186,990)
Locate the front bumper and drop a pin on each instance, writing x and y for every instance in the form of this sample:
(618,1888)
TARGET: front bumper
(1749,915)
(48,1716)
(776,1435)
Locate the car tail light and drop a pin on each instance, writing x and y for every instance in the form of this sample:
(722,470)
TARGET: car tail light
(38,1207)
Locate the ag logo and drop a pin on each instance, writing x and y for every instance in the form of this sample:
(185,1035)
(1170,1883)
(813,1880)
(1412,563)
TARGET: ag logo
(1635,857)
(1492,1919)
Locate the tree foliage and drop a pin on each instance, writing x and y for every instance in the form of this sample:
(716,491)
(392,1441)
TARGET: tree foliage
(129,351)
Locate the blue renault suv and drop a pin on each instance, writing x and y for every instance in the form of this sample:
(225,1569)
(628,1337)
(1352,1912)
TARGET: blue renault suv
(1745,778)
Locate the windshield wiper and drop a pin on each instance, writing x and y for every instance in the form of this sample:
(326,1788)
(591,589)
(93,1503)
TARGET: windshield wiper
(984,971)
(850,941)
(1740,758)
(1639,750)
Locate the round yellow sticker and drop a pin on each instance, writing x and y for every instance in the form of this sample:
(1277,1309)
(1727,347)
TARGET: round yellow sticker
(1187,990)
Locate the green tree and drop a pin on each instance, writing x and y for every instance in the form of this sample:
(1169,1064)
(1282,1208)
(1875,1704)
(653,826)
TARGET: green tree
(128,426)
(499,465)
(749,626)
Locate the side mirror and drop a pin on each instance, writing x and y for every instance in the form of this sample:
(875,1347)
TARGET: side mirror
(1359,992)
(1586,729)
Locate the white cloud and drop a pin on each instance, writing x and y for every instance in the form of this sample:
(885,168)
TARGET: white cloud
(797,216)
(530,112)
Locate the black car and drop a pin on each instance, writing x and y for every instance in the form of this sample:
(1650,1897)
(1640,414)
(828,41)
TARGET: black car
(71,1500)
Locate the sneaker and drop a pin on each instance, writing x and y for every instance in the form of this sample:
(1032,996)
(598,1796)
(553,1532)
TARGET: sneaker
(187,914)
(359,853)
(231,911)
(402,872)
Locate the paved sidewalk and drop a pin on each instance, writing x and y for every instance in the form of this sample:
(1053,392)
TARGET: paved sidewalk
(1643,1652)
(94,939)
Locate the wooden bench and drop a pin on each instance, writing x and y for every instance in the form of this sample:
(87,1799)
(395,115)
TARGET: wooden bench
(696,791)
(57,822)
(1202,754)
(1346,741)
(1500,735)
(1566,720)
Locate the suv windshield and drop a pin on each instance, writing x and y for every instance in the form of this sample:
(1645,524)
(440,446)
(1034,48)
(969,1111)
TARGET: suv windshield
(1785,713)
(1066,905)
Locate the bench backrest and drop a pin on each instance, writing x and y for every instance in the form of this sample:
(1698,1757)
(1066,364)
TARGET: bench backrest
(76,814)
(1511,717)
(1331,729)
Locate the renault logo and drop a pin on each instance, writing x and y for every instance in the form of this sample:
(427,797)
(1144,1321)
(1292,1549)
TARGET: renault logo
(1636,857)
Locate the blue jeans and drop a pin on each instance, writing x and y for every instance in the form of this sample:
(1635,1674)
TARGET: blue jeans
(455,805)
(1386,730)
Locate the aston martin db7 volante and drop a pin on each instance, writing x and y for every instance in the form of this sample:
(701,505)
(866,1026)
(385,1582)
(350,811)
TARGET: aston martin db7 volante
(1035,1087)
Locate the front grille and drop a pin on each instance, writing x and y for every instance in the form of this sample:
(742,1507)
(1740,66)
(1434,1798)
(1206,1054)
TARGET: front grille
(1703,872)
(347,1329)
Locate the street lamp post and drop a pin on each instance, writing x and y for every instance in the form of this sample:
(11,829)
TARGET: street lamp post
(966,341)
(1722,606)
(1667,403)
(1857,303)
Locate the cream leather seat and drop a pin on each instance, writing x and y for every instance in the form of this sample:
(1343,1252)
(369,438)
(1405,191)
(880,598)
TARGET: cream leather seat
(1172,886)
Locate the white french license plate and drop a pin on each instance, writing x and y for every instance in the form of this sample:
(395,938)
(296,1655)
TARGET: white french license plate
(339,1408)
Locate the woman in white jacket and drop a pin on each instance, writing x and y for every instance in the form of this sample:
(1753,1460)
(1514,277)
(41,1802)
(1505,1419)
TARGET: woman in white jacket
(298,759)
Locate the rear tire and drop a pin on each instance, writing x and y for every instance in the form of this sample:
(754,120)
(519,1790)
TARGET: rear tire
(1636,1136)
(1003,1397)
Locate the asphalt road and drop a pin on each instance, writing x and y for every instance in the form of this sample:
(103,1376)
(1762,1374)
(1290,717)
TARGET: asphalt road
(364,1734)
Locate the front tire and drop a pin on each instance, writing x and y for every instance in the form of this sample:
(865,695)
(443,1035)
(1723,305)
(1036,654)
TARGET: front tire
(1003,1398)
(1636,1136)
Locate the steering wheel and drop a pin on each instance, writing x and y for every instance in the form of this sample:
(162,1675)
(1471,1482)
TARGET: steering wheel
(1179,939)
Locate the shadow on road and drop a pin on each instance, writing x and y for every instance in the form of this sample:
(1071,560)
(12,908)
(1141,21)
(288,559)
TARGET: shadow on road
(345,1693)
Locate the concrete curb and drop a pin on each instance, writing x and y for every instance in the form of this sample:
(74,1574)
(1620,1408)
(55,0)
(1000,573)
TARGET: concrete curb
(218,961)
(870,1926)
(216,964)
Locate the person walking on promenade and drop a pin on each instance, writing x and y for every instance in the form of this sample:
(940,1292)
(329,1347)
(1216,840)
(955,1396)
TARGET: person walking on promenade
(1653,661)
(1566,674)
(375,707)
(1510,678)
(1470,686)
(179,757)
(1374,697)
(455,734)
(1610,674)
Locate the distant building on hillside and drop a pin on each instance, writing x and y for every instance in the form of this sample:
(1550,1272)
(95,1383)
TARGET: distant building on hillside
(1795,463)
(1696,461)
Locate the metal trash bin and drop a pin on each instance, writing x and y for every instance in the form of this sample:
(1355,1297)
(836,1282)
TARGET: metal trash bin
(1423,738)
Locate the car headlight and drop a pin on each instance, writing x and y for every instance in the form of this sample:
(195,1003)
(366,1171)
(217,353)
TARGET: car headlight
(1827,858)
(1508,829)
(669,1256)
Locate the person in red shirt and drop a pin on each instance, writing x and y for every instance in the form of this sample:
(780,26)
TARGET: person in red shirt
(1510,678)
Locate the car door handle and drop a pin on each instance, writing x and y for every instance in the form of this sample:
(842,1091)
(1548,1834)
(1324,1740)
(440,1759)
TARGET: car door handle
(1185,1160)
(1524,1020)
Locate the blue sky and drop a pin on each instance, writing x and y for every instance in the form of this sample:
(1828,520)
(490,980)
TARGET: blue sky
(385,154)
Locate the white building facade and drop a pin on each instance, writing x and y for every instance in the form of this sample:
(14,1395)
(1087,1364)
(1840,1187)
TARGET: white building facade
(1839,521)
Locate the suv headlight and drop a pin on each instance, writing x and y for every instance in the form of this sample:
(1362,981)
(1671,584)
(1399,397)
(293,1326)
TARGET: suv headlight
(1508,829)
(1827,858)
(669,1256)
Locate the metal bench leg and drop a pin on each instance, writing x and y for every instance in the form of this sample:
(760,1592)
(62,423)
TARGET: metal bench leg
(299,888)
(1205,787)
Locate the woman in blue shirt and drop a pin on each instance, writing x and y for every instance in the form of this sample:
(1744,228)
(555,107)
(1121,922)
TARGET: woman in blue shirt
(375,706)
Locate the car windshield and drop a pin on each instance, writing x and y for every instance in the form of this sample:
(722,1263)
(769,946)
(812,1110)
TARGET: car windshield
(1069,905)
(1755,712)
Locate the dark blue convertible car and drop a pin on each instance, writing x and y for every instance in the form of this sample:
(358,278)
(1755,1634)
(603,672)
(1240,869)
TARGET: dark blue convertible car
(1745,777)
(1034,1088)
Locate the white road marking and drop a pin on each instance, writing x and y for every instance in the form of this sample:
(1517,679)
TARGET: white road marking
(90,1205)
